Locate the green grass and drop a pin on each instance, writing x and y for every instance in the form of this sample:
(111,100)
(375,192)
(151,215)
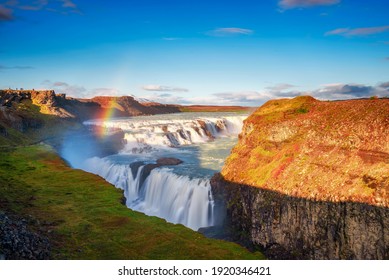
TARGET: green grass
(83,218)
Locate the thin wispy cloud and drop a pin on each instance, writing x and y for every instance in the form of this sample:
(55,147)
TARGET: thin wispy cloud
(78,90)
(35,6)
(244,98)
(248,98)
(364,31)
(60,6)
(5,14)
(103,92)
(280,87)
(229,31)
(170,38)
(384,85)
(164,88)
(68,4)
(63,87)
(2,67)
(292,4)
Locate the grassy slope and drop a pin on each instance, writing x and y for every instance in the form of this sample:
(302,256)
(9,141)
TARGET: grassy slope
(49,126)
(84,219)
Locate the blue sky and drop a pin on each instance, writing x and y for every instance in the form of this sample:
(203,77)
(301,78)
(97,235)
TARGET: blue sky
(197,52)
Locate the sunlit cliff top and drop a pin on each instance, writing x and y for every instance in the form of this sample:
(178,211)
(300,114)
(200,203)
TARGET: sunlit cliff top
(322,150)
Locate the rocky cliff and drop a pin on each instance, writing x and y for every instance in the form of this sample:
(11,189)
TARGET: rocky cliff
(29,116)
(62,106)
(310,179)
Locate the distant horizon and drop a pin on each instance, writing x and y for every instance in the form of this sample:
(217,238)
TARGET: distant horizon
(139,99)
(197,52)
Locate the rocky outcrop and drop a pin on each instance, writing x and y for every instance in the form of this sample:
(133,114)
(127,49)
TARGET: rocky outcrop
(147,168)
(309,180)
(16,117)
(287,227)
(82,109)
(125,106)
(100,106)
(64,107)
(17,242)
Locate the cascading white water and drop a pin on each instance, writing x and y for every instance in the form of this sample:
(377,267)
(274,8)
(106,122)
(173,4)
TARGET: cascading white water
(179,194)
(177,199)
(117,174)
(174,130)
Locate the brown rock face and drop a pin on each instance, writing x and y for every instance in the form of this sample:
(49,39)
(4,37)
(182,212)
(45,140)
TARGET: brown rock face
(287,227)
(125,106)
(310,179)
(82,109)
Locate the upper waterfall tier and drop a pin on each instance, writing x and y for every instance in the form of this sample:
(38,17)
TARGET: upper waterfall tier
(143,134)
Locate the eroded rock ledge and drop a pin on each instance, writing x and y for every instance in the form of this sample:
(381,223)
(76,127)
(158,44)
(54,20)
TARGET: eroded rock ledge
(287,227)
(310,179)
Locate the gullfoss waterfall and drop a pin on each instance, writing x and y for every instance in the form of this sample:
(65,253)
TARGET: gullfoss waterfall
(167,162)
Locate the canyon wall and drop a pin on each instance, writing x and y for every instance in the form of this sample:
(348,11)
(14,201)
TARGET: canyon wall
(310,180)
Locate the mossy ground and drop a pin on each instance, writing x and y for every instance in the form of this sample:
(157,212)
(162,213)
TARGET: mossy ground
(82,215)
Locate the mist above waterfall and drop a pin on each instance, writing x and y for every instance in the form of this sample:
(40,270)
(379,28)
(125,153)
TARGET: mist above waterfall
(179,193)
(85,143)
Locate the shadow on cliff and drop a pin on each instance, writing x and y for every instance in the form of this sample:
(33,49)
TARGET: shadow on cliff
(286,227)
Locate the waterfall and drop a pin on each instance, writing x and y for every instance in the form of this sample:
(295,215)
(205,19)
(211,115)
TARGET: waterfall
(178,199)
(144,134)
(180,194)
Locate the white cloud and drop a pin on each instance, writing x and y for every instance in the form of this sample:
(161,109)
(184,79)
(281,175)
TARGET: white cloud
(164,88)
(244,98)
(228,31)
(61,6)
(384,85)
(280,87)
(80,91)
(63,87)
(291,4)
(2,67)
(5,14)
(170,38)
(103,92)
(68,4)
(335,91)
(364,31)
(350,91)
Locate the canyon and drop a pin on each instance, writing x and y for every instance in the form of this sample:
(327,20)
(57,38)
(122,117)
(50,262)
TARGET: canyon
(308,179)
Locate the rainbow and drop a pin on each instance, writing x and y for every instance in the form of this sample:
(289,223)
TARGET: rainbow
(109,109)
(106,114)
